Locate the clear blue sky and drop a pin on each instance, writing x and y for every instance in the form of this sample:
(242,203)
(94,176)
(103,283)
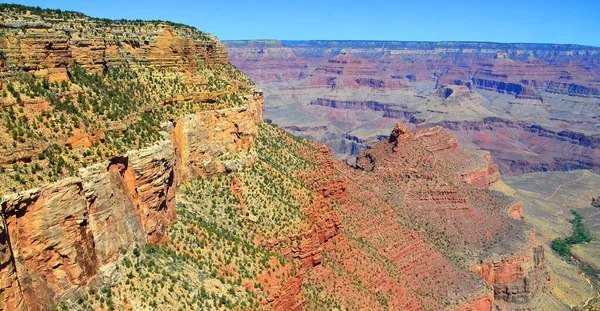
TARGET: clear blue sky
(542,21)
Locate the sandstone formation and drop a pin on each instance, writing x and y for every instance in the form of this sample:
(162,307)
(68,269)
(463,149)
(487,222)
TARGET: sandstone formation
(58,238)
(48,47)
(75,227)
(509,259)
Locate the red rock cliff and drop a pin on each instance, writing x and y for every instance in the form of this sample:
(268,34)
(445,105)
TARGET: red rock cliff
(63,236)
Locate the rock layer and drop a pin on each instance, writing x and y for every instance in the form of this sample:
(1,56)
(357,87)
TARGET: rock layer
(47,49)
(410,172)
(58,238)
(348,94)
(74,227)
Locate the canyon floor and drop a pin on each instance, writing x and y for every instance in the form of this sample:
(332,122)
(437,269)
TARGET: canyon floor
(547,199)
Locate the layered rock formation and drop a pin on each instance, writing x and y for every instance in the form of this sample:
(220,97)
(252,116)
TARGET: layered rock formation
(509,259)
(346,94)
(410,207)
(266,220)
(75,228)
(61,237)
(47,47)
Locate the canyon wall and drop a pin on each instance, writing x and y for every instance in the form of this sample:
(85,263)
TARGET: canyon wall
(48,47)
(417,203)
(62,236)
(463,217)
(516,279)
(347,94)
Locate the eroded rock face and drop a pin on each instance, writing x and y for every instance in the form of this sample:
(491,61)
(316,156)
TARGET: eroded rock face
(411,173)
(57,238)
(483,177)
(47,49)
(515,211)
(153,178)
(51,241)
(115,224)
(515,279)
(10,290)
(201,138)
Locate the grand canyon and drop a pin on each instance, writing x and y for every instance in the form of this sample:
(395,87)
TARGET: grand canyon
(147,165)
(520,102)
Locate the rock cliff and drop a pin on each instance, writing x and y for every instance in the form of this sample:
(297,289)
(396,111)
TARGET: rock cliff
(64,235)
(47,45)
(457,217)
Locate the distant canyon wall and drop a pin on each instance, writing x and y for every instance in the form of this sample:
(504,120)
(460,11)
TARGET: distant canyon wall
(348,94)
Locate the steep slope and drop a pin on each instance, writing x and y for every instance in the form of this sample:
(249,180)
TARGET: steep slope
(299,230)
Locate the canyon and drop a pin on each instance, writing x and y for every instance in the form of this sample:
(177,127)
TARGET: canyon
(138,172)
(534,107)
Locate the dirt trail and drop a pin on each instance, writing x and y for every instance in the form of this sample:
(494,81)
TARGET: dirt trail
(570,181)
(592,286)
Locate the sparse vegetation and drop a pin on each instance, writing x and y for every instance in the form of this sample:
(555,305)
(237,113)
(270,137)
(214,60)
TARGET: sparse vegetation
(220,253)
(90,118)
(580,235)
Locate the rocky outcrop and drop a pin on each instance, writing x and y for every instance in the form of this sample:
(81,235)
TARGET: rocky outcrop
(420,175)
(483,177)
(61,236)
(10,289)
(515,280)
(50,46)
(515,211)
(51,240)
(437,139)
(200,138)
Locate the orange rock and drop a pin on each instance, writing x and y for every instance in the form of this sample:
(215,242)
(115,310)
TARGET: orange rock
(80,140)
(515,211)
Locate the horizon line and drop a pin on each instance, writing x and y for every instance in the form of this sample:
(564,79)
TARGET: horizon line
(412,41)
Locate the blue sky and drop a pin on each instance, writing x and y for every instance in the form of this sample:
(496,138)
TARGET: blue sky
(540,21)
